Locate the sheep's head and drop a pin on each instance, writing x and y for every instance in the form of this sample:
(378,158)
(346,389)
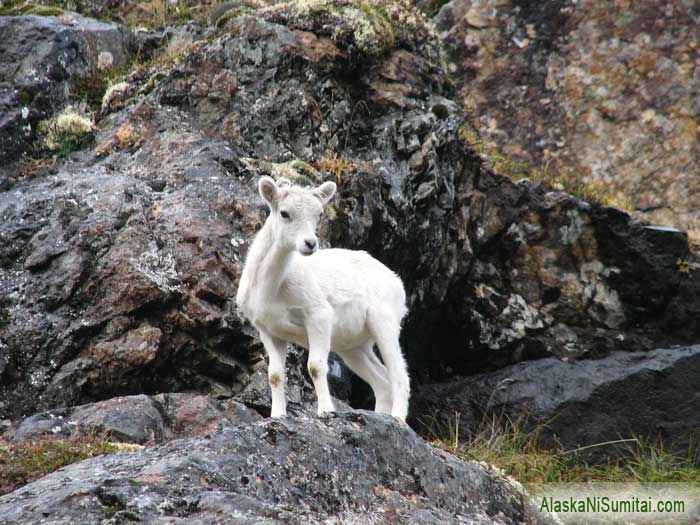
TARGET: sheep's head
(295,213)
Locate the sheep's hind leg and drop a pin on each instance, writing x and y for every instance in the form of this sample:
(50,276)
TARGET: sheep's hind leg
(385,328)
(277,354)
(319,330)
(365,364)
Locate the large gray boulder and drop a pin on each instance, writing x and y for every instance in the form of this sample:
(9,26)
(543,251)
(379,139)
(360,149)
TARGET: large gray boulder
(356,467)
(136,419)
(625,395)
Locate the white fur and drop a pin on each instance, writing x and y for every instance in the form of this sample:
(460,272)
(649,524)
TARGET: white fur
(323,300)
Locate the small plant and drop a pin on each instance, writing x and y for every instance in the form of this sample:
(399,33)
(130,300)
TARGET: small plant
(114,97)
(337,165)
(686,267)
(127,136)
(334,162)
(159,13)
(21,463)
(65,132)
(517,449)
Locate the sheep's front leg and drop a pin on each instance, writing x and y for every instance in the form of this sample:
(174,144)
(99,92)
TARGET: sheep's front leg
(319,333)
(277,354)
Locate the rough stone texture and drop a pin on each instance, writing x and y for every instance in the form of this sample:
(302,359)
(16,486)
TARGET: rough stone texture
(42,57)
(600,91)
(352,468)
(137,419)
(119,268)
(627,394)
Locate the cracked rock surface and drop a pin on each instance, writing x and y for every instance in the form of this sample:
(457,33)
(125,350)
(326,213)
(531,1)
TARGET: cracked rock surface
(338,469)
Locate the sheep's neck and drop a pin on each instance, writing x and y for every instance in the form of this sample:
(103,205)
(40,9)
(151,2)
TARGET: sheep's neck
(267,265)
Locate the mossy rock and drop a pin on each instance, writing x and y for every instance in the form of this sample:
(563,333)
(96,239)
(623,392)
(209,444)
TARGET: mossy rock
(295,171)
(226,11)
(364,28)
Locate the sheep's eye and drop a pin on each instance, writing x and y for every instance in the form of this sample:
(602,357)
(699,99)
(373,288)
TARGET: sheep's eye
(284,214)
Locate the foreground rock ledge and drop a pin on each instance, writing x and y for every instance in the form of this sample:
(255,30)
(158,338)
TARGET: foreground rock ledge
(354,467)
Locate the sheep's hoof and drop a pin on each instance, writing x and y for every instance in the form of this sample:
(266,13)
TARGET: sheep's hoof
(400,421)
(327,414)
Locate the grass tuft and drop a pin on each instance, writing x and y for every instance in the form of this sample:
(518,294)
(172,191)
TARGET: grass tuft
(14,8)
(65,132)
(517,450)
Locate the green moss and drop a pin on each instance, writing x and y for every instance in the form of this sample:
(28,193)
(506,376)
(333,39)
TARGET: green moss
(384,31)
(90,90)
(25,97)
(230,10)
(44,10)
(370,27)
(26,8)
(25,462)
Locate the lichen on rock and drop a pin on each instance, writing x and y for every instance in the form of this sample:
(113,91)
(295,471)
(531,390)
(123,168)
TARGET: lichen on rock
(370,28)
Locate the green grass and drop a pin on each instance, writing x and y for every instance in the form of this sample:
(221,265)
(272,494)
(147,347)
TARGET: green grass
(519,452)
(21,463)
(16,8)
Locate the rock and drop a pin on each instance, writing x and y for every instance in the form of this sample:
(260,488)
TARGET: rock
(43,58)
(601,92)
(137,419)
(336,469)
(121,266)
(624,395)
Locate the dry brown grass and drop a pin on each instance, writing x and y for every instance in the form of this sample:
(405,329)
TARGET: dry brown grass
(337,165)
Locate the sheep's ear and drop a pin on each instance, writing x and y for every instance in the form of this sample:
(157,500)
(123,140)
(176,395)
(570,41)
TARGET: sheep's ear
(325,191)
(268,190)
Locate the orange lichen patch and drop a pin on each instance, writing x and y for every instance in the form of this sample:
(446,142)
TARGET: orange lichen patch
(336,165)
(127,136)
(690,128)
(645,64)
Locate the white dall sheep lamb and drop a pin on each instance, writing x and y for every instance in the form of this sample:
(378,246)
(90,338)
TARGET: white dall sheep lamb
(323,300)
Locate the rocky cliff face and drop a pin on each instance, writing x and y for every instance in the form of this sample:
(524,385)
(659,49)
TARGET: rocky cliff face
(119,260)
(600,91)
(43,59)
(297,470)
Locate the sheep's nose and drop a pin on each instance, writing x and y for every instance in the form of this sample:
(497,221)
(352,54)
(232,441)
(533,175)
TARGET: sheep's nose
(310,243)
